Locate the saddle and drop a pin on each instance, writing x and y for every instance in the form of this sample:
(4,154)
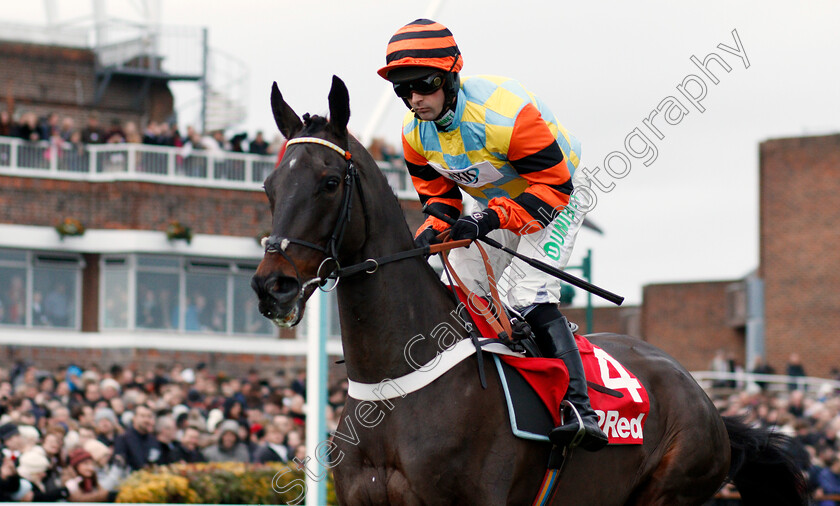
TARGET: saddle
(534,386)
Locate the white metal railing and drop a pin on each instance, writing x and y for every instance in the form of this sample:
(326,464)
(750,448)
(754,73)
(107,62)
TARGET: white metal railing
(711,379)
(168,165)
(63,36)
(171,49)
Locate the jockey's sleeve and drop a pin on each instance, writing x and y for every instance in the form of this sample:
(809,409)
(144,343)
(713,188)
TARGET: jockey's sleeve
(432,188)
(536,156)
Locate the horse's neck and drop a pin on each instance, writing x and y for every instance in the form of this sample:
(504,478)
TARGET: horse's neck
(390,314)
(381,313)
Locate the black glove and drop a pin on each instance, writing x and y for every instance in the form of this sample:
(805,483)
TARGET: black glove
(426,238)
(475,225)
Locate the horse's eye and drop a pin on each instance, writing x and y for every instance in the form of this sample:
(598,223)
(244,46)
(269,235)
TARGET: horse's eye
(331,184)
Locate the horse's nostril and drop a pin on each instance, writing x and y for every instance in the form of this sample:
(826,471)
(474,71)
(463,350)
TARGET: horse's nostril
(282,288)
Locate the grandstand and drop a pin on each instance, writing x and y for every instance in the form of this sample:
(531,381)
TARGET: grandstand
(171,229)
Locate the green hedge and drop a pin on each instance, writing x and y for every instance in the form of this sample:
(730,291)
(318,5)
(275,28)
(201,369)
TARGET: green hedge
(218,483)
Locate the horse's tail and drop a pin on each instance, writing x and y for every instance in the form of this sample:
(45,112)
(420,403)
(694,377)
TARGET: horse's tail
(762,469)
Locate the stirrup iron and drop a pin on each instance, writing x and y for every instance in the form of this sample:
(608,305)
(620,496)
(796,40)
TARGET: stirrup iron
(581,432)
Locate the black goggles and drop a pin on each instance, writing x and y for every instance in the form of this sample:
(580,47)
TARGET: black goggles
(424,85)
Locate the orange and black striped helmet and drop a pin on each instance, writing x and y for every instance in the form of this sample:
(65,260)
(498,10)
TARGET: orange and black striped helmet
(422,43)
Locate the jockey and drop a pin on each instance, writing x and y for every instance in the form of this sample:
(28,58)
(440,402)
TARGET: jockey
(496,141)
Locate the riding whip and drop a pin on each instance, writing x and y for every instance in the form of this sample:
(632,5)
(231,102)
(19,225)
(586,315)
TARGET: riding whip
(542,266)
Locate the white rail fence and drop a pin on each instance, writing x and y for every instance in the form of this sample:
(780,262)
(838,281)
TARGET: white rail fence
(773,382)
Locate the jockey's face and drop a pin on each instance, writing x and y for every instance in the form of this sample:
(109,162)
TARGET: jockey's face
(427,107)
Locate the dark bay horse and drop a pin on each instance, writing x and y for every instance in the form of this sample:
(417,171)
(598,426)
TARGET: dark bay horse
(451,442)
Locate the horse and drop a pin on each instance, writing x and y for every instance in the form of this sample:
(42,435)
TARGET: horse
(450,442)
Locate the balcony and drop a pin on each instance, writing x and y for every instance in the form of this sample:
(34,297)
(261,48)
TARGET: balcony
(166,165)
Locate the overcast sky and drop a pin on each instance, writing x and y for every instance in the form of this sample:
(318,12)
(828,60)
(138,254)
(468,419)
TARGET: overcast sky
(690,214)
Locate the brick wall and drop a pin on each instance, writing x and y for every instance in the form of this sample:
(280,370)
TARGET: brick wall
(44,79)
(618,320)
(133,205)
(800,250)
(689,322)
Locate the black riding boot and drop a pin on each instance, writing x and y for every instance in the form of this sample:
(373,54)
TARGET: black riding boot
(555,340)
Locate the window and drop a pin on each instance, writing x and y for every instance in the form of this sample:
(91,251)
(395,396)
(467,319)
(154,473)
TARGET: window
(246,315)
(206,303)
(13,296)
(157,292)
(39,289)
(115,300)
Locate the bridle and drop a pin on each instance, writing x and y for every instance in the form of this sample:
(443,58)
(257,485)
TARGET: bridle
(330,269)
(278,244)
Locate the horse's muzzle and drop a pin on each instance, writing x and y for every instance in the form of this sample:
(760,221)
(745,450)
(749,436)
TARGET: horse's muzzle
(280,298)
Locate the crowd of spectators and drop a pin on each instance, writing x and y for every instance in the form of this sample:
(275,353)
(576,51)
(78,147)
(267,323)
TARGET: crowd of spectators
(74,434)
(64,132)
(811,419)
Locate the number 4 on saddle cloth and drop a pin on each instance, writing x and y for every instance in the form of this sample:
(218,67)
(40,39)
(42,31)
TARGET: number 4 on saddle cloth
(534,389)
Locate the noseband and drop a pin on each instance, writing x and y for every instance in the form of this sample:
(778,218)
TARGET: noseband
(278,244)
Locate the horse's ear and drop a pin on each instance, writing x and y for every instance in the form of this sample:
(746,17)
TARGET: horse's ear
(339,107)
(287,121)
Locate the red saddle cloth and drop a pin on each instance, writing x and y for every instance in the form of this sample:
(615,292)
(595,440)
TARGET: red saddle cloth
(617,396)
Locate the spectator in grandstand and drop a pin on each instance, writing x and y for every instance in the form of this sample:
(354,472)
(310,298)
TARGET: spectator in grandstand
(762,367)
(57,305)
(38,315)
(190,443)
(93,132)
(300,456)
(151,134)
(7,126)
(115,132)
(92,394)
(229,448)
(148,311)
(233,408)
(10,482)
(217,141)
(48,126)
(132,134)
(33,466)
(795,369)
(106,425)
(258,146)
(196,316)
(109,388)
(237,142)
(68,126)
(138,446)
(796,404)
(274,449)
(193,139)
(828,480)
(11,441)
(217,318)
(84,485)
(53,450)
(27,128)
(74,155)
(170,448)
(720,363)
